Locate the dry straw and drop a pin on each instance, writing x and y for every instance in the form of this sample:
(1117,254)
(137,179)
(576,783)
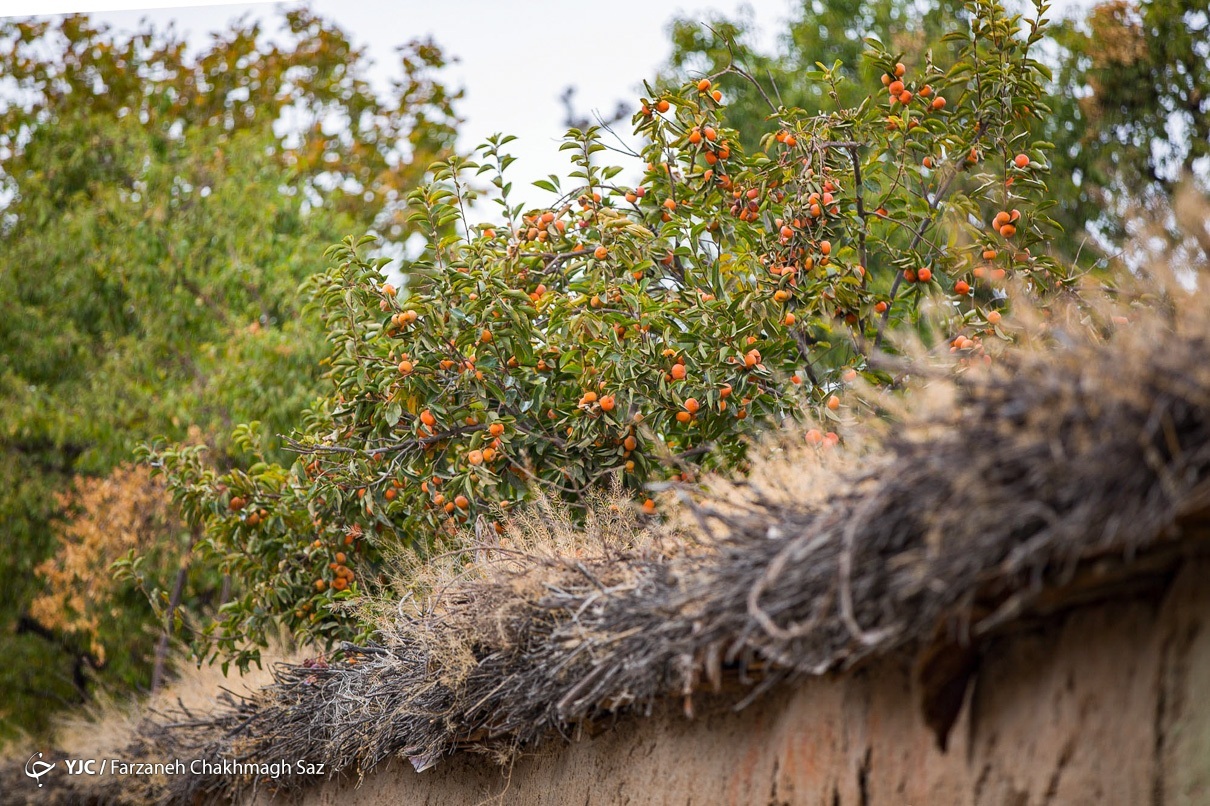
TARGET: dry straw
(984,500)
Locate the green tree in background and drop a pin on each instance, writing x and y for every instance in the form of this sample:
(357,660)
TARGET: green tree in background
(1134,123)
(162,208)
(1129,113)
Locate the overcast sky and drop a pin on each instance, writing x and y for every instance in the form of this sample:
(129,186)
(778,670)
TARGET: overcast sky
(514,58)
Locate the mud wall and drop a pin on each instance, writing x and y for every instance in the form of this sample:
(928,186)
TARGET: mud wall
(1106,704)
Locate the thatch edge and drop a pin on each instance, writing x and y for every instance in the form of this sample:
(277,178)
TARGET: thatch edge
(1132,418)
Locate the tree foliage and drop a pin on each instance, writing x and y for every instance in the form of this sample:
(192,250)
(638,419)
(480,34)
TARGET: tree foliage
(1134,122)
(1127,107)
(160,211)
(110,517)
(636,332)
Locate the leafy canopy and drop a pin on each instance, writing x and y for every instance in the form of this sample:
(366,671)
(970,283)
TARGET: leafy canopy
(1128,98)
(644,332)
(160,207)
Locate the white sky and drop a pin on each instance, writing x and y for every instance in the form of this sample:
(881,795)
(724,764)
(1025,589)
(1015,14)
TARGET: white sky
(514,58)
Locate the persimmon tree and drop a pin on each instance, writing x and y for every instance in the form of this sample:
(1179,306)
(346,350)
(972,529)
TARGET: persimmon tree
(643,329)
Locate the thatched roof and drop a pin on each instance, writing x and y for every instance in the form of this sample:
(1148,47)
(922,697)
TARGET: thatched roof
(1053,477)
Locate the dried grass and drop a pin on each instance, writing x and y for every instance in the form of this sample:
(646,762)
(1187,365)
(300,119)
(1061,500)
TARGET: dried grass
(111,727)
(987,494)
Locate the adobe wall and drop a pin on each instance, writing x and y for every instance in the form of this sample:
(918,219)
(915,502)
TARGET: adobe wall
(1109,704)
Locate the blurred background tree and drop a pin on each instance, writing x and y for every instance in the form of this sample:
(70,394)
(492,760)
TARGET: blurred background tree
(1130,102)
(160,209)
(1133,122)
